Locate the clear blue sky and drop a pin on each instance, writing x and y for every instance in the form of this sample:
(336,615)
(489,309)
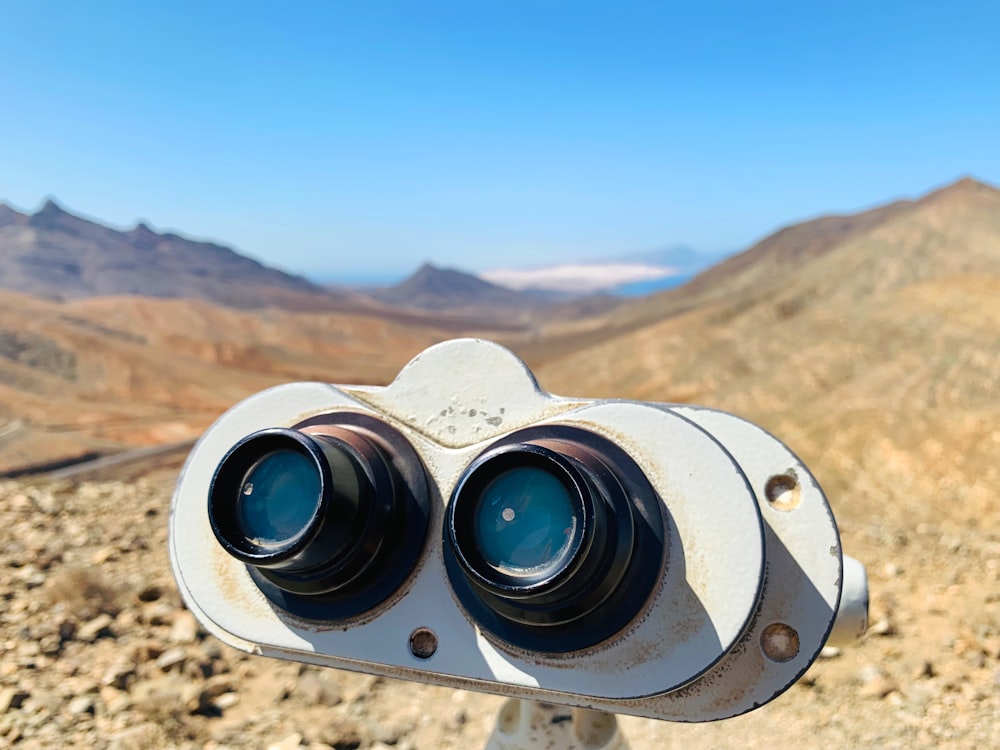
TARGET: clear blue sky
(346,138)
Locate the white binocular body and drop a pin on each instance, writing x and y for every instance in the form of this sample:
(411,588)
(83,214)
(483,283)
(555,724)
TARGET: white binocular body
(462,527)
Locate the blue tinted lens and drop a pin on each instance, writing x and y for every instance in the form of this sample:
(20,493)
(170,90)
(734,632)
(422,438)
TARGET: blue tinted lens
(524,522)
(278,497)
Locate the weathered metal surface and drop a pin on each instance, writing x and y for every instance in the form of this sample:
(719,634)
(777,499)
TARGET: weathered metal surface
(543,726)
(852,615)
(694,653)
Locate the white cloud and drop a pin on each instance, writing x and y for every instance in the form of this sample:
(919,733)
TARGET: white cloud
(578,278)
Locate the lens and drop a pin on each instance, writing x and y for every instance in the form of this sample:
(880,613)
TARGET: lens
(554,539)
(525,521)
(279,497)
(329,519)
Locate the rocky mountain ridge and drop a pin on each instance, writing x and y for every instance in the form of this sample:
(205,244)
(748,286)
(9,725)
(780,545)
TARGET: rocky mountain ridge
(434,288)
(56,254)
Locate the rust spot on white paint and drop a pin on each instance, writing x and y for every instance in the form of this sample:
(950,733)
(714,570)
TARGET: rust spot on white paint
(779,642)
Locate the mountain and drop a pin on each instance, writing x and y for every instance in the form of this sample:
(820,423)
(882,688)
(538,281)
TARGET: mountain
(432,288)
(103,374)
(938,217)
(870,342)
(56,254)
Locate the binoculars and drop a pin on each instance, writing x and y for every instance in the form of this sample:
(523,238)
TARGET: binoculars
(464,528)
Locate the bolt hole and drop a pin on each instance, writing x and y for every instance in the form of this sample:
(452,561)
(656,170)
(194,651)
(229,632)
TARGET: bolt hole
(779,642)
(783,492)
(423,643)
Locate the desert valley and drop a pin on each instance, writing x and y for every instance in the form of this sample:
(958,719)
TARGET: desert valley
(870,343)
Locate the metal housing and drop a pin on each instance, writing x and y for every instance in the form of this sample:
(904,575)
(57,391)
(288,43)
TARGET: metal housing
(745,600)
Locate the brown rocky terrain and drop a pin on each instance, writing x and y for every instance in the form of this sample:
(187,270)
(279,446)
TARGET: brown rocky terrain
(871,346)
(103,374)
(96,651)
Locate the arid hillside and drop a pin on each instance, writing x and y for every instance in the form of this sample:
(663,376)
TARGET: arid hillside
(877,359)
(102,374)
(870,344)
(56,254)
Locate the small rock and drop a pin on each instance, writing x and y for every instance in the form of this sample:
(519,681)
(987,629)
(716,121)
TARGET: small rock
(139,737)
(83,704)
(339,732)
(185,628)
(226,700)
(389,734)
(96,628)
(884,627)
(115,701)
(151,593)
(172,657)
(291,742)
(991,646)
(148,650)
(214,689)
(119,675)
(104,555)
(12,698)
(316,690)
(875,683)
(211,649)
(869,672)
(50,644)
(170,692)
(361,688)
(829,652)
(158,613)
(67,630)
(972,693)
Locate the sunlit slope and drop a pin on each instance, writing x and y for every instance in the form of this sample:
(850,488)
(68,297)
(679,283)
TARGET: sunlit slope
(101,373)
(877,360)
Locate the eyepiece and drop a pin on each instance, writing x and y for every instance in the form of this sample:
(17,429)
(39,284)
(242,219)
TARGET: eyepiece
(527,521)
(278,499)
(329,518)
(549,527)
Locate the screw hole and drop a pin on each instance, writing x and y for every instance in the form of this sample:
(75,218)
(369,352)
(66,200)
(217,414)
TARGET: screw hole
(779,642)
(783,492)
(423,643)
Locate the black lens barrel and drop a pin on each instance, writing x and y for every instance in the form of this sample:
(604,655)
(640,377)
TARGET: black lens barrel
(553,536)
(614,559)
(367,524)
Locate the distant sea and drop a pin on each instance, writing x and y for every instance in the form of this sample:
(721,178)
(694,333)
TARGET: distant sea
(642,288)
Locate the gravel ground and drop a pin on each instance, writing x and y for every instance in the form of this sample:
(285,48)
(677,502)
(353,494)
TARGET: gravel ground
(97,651)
